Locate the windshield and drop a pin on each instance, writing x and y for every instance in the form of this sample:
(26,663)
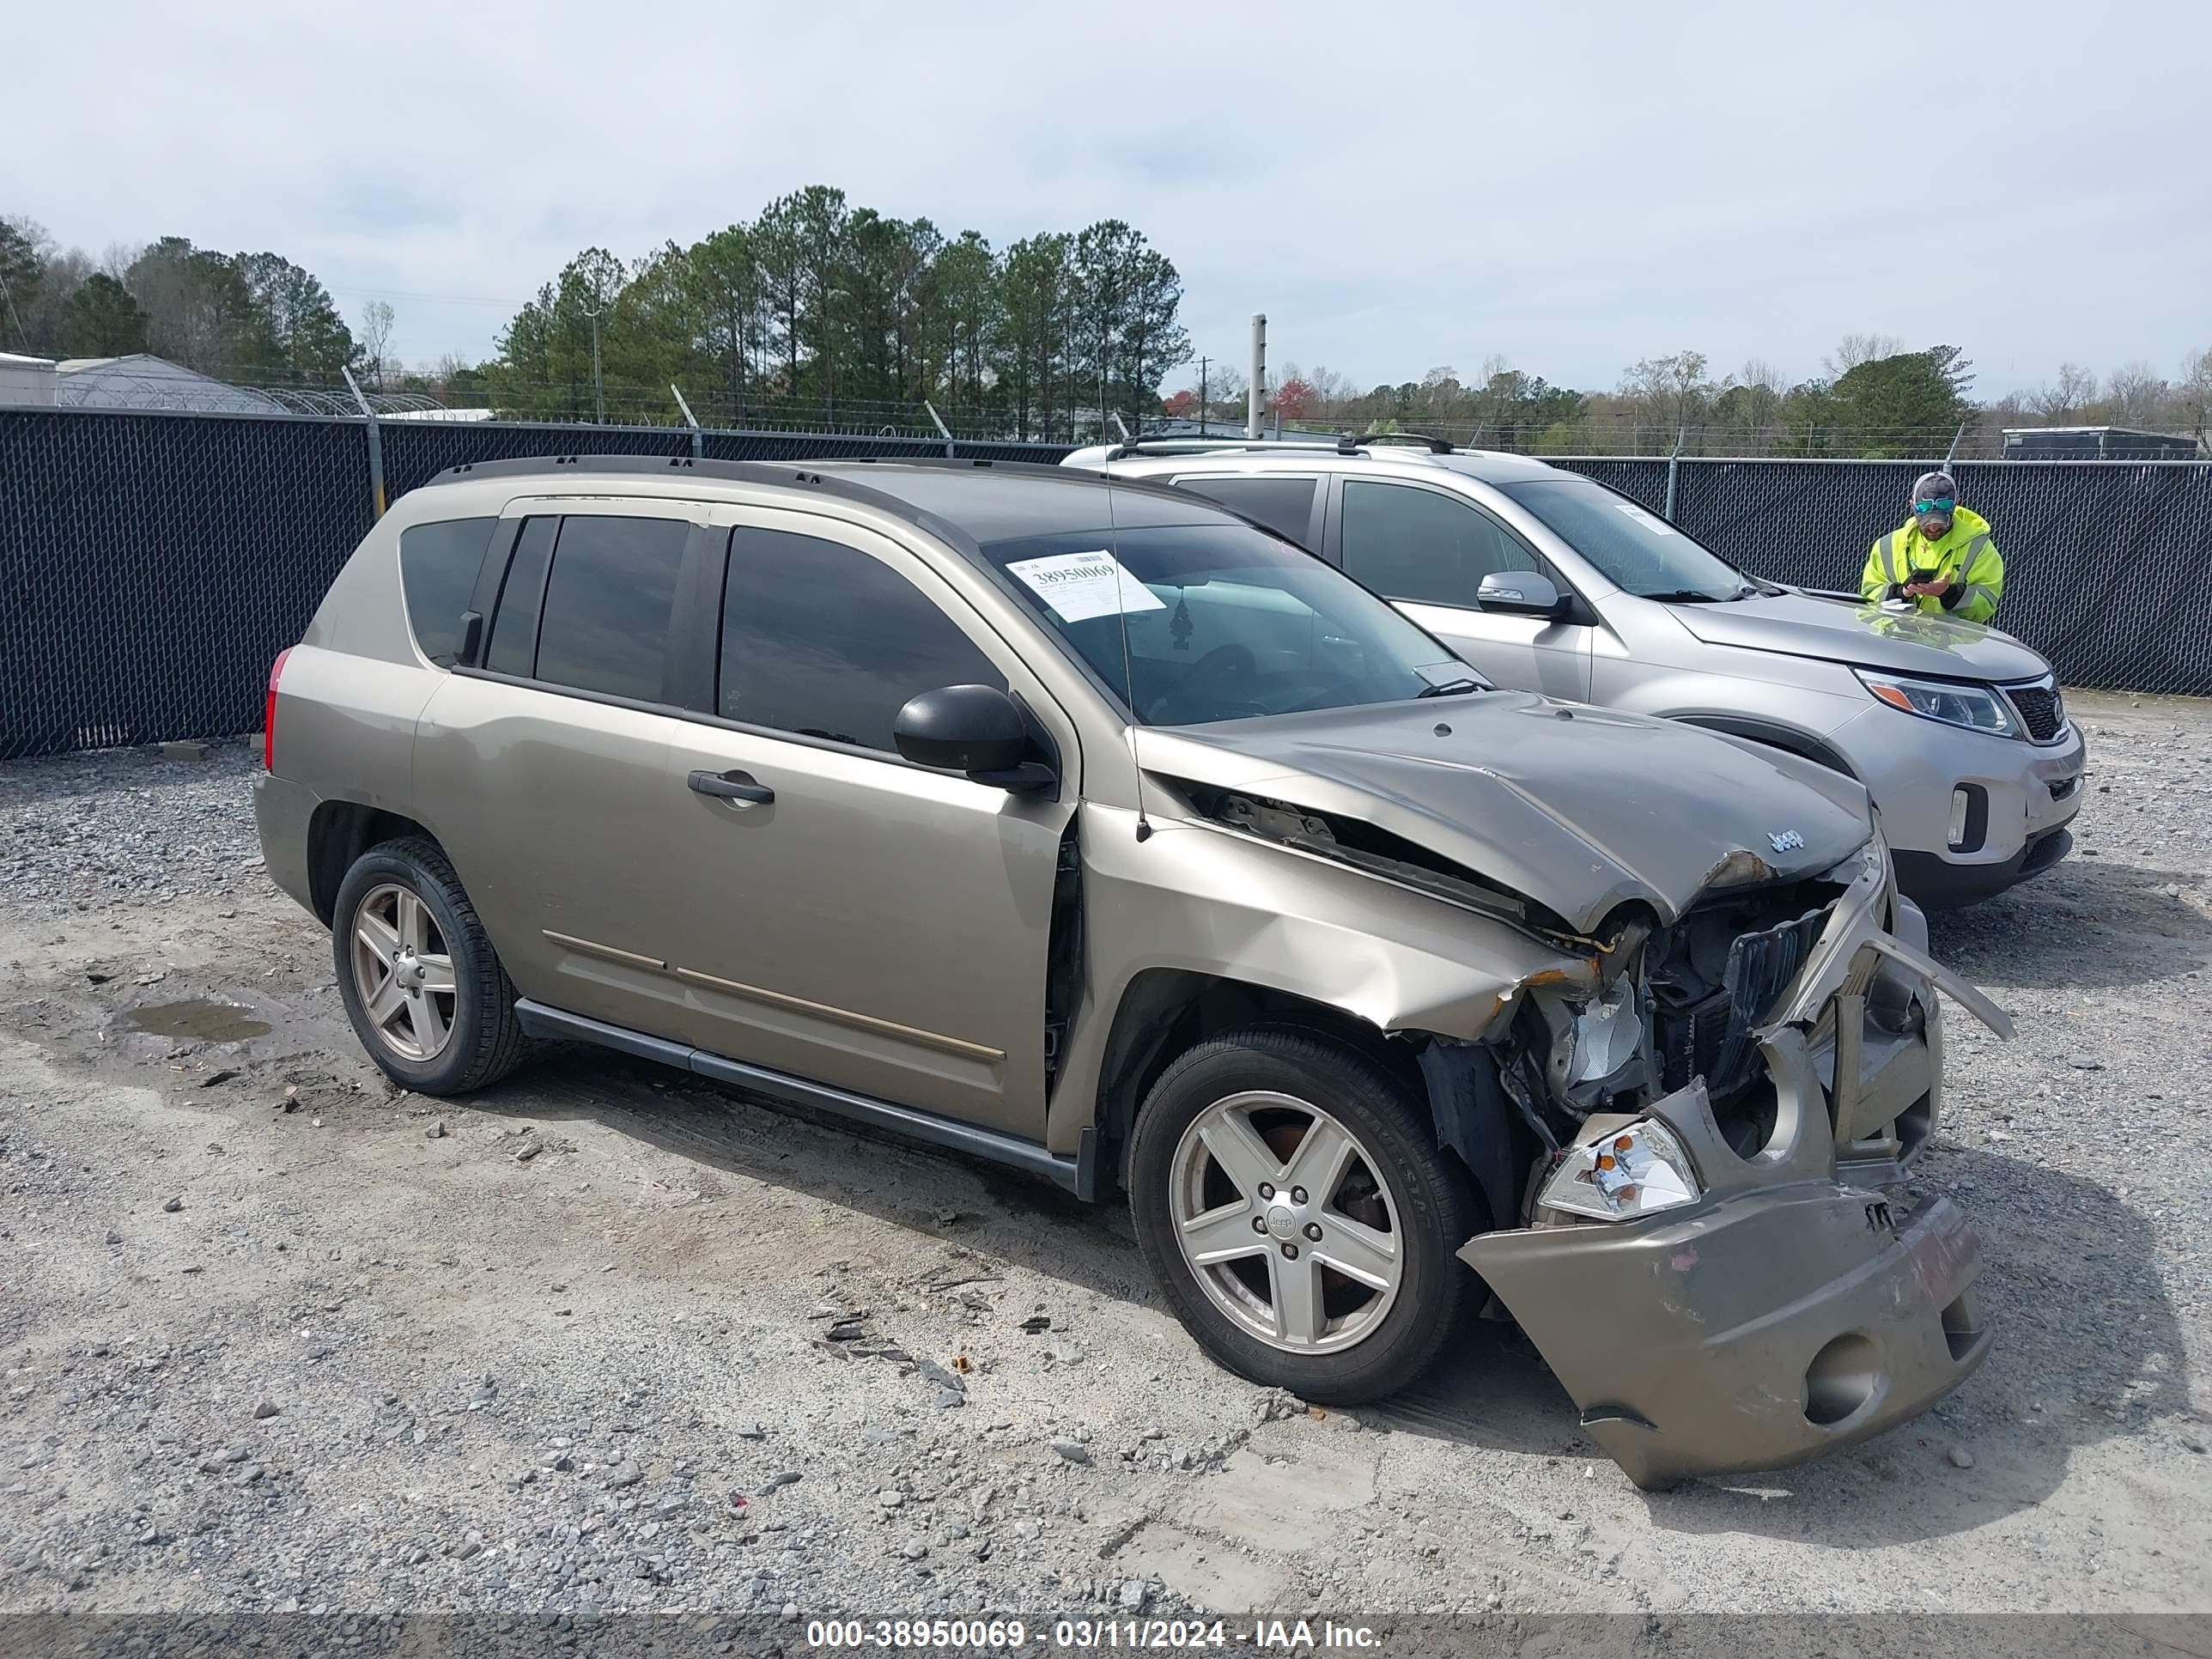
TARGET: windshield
(1639,551)
(1224,623)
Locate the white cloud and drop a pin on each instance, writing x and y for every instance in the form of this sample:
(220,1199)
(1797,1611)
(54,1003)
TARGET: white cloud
(1397,186)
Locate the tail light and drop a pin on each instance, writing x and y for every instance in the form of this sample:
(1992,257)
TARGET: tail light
(269,713)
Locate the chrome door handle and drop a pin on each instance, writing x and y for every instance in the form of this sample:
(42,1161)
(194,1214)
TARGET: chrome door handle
(736,787)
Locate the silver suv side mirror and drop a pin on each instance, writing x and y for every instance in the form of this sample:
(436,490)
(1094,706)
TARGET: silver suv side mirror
(1519,592)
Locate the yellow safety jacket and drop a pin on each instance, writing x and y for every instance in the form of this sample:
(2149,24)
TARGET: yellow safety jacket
(1968,556)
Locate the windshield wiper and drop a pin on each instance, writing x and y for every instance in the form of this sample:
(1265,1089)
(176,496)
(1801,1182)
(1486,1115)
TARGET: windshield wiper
(1451,689)
(1685,596)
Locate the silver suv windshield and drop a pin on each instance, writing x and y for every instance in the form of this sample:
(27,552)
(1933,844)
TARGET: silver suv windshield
(1224,623)
(1635,548)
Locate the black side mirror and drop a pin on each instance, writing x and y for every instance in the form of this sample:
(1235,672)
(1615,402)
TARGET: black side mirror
(1522,593)
(975,729)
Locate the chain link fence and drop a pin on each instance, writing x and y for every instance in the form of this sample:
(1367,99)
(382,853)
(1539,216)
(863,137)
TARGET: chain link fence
(153,564)
(2108,564)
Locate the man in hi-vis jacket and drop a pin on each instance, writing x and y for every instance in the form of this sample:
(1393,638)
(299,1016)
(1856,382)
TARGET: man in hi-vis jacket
(1942,558)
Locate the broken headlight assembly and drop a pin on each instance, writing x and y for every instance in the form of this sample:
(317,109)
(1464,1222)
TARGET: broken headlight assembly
(1622,1174)
(1977,707)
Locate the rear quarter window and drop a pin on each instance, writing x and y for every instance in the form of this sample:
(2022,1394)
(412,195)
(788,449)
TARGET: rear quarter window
(438,566)
(1284,505)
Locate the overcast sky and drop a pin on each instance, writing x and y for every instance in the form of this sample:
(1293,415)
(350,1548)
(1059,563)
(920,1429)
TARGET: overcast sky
(1398,186)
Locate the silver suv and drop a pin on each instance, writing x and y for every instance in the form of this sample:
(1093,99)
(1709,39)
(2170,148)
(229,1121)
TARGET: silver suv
(1544,580)
(1083,826)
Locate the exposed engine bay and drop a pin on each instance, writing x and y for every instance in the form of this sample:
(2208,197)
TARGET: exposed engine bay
(1652,1005)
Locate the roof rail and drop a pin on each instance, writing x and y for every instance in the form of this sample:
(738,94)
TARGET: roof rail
(1206,446)
(1434,446)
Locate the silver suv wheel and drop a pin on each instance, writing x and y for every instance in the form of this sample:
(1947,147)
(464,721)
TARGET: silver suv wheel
(404,973)
(1284,1219)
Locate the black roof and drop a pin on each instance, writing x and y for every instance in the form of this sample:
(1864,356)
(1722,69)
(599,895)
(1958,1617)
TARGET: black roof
(979,501)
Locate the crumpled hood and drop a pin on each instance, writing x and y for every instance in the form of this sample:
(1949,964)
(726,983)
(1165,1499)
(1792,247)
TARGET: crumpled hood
(1802,625)
(1576,807)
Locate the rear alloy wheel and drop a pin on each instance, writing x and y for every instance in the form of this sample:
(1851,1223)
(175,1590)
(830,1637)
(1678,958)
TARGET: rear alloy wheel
(402,973)
(423,986)
(1290,1195)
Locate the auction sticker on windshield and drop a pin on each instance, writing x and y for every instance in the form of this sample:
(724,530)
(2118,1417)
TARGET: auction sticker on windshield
(1644,520)
(1080,585)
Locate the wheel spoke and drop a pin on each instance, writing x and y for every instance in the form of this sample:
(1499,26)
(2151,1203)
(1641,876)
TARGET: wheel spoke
(437,973)
(429,1021)
(378,936)
(1222,1234)
(1319,1162)
(385,1004)
(414,923)
(1296,1287)
(1357,1250)
(1237,1148)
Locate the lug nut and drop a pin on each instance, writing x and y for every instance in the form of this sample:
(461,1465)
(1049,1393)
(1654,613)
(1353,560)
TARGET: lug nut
(1267,1189)
(1297,1195)
(1313,1231)
(1259,1224)
(1290,1251)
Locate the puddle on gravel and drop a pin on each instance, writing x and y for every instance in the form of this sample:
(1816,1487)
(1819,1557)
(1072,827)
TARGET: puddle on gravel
(198,1021)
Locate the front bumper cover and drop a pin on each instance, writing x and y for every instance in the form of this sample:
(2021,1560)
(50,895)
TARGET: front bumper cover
(1788,1312)
(1761,1330)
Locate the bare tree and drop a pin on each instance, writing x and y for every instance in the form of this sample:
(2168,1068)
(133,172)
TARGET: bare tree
(2193,392)
(2065,397)
(1855,349)
(2134,394)
(377,319)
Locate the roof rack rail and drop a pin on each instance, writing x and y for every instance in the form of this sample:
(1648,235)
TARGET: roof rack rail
(1203,446)
(1434,446)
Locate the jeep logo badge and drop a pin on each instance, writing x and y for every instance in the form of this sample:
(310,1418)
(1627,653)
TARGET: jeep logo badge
(1788,841)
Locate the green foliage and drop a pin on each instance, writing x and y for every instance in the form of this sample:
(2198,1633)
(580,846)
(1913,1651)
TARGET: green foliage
(1895,403)
(824,312)
(100,319)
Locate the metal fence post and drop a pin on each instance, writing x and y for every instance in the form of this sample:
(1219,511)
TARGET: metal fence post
(1673,467)
(1952,454)
(941,427)
(698,444)
(375,445)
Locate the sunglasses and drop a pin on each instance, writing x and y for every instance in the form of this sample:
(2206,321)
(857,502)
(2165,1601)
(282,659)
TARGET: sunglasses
(1944,505)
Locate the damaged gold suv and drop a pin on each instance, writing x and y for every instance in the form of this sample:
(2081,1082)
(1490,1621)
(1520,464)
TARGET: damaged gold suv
(1084,825)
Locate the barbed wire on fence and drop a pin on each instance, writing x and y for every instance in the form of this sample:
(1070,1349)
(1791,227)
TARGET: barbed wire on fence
(1003,417)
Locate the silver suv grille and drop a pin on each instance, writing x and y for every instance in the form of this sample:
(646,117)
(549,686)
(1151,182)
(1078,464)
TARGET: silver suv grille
(2040,708)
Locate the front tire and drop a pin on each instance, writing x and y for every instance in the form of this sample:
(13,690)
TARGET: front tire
(1289,1197)
(421,982)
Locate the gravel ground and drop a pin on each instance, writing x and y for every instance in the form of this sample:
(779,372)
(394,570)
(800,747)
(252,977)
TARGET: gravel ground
(277,1338)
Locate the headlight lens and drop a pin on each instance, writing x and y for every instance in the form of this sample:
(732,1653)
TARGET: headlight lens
(1977,707)
(1622,1174)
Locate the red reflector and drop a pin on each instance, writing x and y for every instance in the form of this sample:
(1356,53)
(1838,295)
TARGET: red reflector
(269,713)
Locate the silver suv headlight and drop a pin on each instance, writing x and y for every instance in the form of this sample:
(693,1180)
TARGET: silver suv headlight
(1977,707)
(1637,1171)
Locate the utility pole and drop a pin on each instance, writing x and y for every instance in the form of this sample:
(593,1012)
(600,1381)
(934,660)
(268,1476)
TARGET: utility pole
(1202,363)
(599,385)
(1259,374)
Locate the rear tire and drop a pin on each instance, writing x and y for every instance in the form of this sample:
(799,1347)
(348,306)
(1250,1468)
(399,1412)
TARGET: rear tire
(421,982)
(1340,1286)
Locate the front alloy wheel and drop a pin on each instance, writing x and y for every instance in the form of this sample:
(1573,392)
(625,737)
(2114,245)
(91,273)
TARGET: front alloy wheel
(1279,1214)
(1290,1196)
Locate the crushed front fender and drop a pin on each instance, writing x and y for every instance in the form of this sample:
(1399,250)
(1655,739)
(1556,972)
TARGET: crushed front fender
(1782,1317)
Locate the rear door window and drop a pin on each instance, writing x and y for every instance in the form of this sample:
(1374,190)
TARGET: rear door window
(821,640)
(608,603)
(1424,546)
(438,569)
(515,627)
(1284,505)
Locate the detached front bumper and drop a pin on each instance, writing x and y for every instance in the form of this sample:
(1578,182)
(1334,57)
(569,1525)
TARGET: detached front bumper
(1763,1330)
(1789,1311)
